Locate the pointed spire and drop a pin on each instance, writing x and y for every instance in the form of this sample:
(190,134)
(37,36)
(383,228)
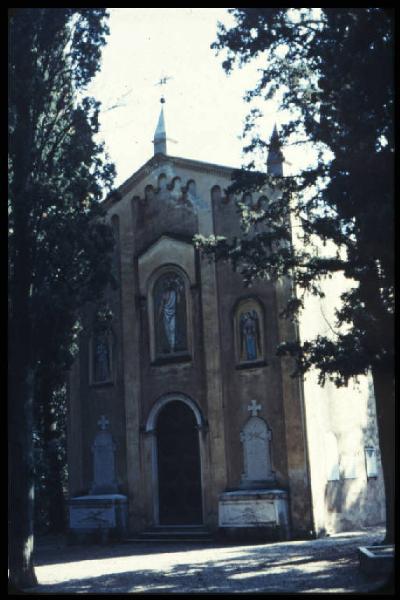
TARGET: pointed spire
(275,155)
(160,137)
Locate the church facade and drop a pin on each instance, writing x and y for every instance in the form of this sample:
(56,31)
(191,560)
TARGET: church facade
(207,425)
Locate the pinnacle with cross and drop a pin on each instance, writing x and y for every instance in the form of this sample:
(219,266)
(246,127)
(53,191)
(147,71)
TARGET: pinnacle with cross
(103,423)
(254,408)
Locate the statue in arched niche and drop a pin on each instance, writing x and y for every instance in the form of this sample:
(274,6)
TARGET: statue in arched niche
(101,357)
(250,343)
(170,314)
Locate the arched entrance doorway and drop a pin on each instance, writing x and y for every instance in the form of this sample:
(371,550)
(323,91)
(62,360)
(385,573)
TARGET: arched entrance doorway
(178,465)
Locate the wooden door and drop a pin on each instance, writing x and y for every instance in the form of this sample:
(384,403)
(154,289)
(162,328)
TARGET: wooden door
(179,476)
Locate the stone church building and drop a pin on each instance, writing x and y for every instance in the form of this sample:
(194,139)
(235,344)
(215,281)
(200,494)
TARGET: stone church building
(180,412)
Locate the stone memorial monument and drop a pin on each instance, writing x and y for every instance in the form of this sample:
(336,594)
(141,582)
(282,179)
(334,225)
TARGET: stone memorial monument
(102,513)
(256,507)
(103,449)
(256,440)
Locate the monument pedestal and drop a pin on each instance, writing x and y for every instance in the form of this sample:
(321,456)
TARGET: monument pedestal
(98,518)
(254,514)
(101,515)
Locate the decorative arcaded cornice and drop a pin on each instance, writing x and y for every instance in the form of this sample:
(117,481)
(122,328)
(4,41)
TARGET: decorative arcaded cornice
(159,160)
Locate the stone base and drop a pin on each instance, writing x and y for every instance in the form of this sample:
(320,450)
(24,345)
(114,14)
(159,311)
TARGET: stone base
(265,484)
(98,518)
(376,561)
(261,515)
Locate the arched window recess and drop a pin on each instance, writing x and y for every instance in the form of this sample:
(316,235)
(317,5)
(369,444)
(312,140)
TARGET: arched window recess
(249,334)
(170,315)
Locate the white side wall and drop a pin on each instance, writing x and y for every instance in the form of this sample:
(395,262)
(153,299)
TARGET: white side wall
(343,498)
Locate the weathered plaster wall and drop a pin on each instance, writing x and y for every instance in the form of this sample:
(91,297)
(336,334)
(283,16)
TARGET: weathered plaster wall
(353,500)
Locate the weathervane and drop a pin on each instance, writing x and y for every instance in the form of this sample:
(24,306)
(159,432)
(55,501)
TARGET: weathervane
(163,81)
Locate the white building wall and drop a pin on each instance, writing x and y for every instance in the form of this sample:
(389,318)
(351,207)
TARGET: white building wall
(343,496)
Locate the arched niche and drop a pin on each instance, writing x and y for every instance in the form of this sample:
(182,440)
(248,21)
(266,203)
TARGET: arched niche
(149,193)
(216,195)
(191,189)
(101,361)
(170,315)
(162,182)
(176,186)
(248,323)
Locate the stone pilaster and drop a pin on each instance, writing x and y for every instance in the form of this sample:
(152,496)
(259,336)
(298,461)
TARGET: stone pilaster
(131,369)
(295,426)
(214,390)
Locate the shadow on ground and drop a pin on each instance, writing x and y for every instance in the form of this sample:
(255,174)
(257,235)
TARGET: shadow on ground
(50,551)
(294,567)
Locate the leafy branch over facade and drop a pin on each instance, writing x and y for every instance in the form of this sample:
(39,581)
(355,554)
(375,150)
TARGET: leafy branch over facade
(332,71)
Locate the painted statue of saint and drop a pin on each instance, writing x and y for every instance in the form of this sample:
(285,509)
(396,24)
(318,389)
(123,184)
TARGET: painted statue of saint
(250,347)
(170,314)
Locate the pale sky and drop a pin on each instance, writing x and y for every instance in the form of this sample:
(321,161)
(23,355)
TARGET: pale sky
(204,109)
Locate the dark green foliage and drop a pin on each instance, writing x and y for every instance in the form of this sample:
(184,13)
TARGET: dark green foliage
(59,244)
(50,463)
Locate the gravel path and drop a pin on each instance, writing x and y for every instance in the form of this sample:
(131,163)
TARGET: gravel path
(328,564)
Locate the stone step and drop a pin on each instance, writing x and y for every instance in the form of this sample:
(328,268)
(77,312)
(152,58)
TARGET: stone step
(174,534)
(171,540)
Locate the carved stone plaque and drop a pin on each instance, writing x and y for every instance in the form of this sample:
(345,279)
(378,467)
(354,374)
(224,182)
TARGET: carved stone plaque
(247,513)
(262,508)
(107,511)
(92,518)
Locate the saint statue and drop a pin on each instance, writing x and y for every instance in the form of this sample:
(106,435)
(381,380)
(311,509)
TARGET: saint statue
(170,314)
(250,347)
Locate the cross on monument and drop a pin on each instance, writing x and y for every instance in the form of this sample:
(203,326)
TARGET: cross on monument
(254,408)
(103,422)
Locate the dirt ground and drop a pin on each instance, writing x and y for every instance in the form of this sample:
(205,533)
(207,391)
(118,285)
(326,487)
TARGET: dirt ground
(315,566)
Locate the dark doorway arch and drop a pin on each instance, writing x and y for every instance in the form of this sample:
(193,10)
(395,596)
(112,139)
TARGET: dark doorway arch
(178,461)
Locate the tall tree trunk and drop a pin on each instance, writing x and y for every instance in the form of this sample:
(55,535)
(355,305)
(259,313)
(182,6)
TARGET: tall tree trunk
(385,409)
(21,476)
(20,410)
(54,487)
